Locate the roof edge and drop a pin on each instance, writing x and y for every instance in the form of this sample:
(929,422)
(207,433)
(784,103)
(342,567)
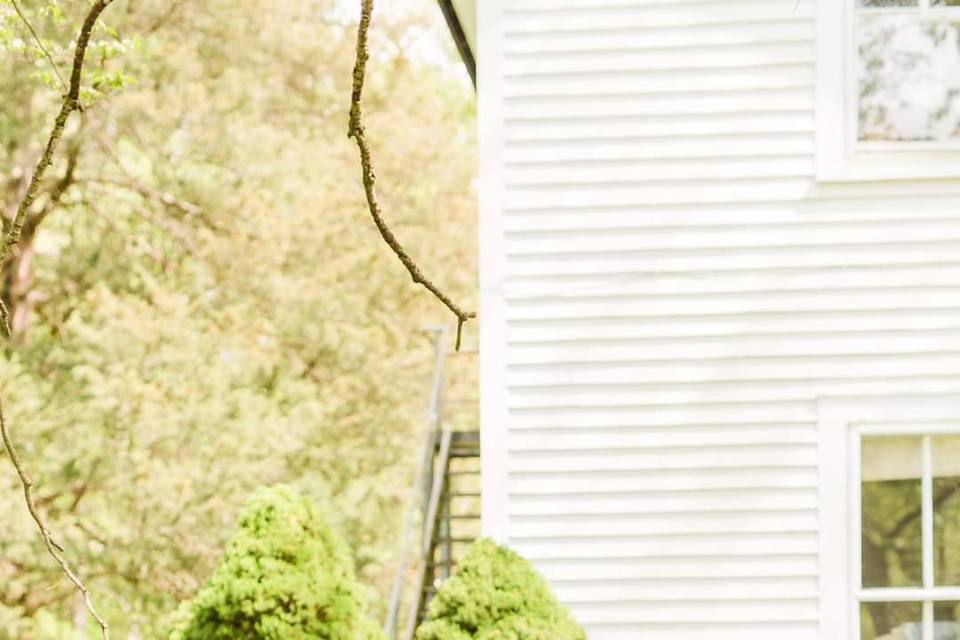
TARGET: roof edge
(460,38)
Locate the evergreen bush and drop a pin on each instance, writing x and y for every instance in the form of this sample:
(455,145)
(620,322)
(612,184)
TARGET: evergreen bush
(285,576)
(497,595)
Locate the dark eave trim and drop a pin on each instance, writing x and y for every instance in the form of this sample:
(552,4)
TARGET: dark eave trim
(459,38)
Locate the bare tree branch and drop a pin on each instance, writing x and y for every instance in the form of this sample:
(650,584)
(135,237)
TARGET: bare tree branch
(43,48)
(71,103)
(55,550)
(357,132)
(179,232)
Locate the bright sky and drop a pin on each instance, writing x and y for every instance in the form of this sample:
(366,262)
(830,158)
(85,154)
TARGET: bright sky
(434,48)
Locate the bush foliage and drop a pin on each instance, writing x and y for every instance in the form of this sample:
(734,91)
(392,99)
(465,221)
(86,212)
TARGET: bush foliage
(497,595)
(285,576)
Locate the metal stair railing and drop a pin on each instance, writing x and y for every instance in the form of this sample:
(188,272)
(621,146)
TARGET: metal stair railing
(423,478)
(444,506)
(431,523)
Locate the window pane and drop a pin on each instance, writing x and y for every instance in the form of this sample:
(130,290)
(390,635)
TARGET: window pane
(891,621)
(909,78)
(945,621)
(946,510)
(891,547)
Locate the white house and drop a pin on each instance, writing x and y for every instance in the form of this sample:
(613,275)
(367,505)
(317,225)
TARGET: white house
(720,311)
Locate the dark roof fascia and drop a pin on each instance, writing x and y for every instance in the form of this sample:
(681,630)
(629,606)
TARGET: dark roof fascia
(459,38)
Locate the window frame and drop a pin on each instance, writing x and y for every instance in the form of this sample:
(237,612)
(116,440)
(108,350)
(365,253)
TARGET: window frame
(840,155)
(841,425)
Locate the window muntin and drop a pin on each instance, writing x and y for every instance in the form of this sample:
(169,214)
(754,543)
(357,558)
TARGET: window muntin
(907,71)
(909,573)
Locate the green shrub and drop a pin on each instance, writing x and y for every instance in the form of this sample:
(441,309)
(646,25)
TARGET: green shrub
(285,576)
(497,595)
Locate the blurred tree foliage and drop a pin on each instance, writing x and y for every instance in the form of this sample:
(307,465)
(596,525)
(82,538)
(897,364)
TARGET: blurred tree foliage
(200,301)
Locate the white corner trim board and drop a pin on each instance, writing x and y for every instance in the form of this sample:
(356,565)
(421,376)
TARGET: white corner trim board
(492,268)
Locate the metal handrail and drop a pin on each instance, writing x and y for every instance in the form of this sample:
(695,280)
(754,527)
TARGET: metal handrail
(423,481)
(430,519)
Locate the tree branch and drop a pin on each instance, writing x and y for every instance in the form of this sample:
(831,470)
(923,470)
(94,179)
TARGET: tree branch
(357,132)
(54,548)
(71,103)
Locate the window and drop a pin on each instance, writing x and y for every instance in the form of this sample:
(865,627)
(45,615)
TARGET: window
(889,495)
(909,573)
(888,89)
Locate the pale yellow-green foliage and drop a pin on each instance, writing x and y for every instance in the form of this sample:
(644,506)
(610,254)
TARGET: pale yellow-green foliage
(157,387)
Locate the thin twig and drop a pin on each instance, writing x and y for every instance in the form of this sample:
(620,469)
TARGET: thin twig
(52,546)
(43,48)
(357,132)
(71,103)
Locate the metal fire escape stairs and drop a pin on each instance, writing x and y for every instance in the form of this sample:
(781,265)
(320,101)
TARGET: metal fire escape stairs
(443,515)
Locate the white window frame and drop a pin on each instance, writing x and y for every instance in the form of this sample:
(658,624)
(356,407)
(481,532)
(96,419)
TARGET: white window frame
(842,423)
(840,156)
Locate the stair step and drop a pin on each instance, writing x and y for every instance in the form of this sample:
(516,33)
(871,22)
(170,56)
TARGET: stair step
(465,539)
(442,563)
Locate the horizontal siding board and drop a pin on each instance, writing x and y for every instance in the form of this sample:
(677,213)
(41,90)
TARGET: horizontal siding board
(744,190)
(672,546)
(635,482)
(896,319)
(689,590)
(541,440)
(521,7)
(688,102)
(546,174)
(739,145)
(628,415)
(761,347)
(602,527)
(743,392)
(655,16)
(692,631)
(654,567)
(781,76)
(771,301)
(711,260)
(741,237)
(706,614)
(564,130)
(687,631)
(622,458)
(922,203)
(702,57)
(741,282)
(864,366)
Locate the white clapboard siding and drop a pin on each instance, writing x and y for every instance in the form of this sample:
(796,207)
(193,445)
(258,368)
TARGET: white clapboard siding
(688,102)
(605,526)
(750,391)
(682,570)
(676,292)
(664,504)
(637,481)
